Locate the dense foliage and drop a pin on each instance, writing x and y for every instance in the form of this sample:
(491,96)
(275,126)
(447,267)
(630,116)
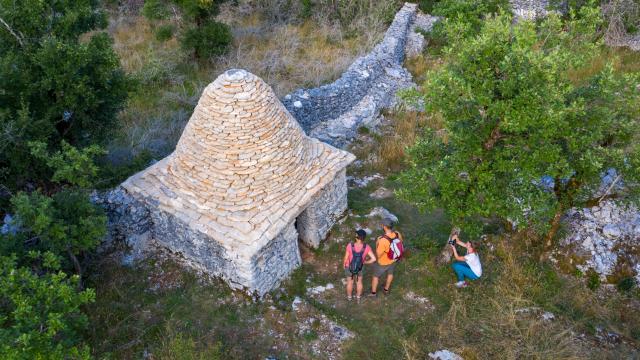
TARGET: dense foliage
(460,18)
(56,82)
(40,315)
(45,239)
(61,86)
(529,124)
(202,35)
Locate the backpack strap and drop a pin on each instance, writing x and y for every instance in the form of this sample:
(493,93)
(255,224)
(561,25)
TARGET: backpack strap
(390,239)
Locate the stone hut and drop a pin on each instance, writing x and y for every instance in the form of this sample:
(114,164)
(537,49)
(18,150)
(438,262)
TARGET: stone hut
(243,185)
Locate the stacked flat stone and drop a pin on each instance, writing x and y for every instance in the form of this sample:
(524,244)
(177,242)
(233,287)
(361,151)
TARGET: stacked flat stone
(367,86)
(243,169)
(241,174)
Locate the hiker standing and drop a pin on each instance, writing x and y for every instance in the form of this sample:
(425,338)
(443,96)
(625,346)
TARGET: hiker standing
(465,266)
(389,249)
(355,257)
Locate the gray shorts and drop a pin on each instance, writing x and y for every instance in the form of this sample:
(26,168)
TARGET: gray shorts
(347,273)
(379,270)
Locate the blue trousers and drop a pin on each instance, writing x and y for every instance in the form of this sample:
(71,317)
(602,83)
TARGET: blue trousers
(462,269)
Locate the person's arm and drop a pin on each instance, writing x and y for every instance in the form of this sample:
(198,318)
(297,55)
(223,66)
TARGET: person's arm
(455,254)
(458,241)
(372,258)
(380,251)
(345,261)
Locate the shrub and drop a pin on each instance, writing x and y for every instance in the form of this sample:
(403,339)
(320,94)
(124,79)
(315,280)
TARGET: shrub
(626,284)
(593,280)
(40,315)
(208,40)
(427,5)
(165,32)
(461,18)
(54,86)
(155,10)
(307,9)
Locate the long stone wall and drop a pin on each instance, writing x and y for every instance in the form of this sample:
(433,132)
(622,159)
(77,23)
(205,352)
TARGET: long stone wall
(333,112)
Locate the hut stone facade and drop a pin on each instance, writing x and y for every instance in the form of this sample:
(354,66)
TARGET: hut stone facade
(243,185)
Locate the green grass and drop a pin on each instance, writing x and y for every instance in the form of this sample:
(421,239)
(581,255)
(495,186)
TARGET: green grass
(204,319)
(161,309)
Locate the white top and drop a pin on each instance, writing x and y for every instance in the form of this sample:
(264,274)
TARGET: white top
(474,263)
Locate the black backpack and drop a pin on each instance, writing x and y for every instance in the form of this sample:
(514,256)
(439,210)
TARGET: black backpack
(357,260)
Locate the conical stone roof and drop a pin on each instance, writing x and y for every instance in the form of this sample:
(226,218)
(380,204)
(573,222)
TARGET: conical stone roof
(243,168)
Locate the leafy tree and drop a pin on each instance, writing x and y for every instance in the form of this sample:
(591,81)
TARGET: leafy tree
(521,104)
(40,315)
(202,35)
(461,18)
(59,80)
(66,222)
(208,40)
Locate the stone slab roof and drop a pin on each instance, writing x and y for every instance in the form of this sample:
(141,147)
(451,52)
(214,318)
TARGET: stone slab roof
(243,168)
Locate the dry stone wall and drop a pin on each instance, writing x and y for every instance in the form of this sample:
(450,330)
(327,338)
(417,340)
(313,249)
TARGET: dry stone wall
(327,206)
(333,112)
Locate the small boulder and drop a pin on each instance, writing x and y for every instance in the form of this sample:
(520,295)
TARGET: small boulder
(445,355)
(381,193)
(382,213)
(611,231)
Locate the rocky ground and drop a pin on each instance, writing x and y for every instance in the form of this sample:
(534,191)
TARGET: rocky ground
(605,239)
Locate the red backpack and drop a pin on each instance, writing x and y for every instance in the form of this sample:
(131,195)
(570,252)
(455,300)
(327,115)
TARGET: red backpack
(396,248)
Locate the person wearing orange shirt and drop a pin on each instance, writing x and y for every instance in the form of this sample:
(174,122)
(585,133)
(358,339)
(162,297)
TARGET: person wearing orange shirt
(384,264)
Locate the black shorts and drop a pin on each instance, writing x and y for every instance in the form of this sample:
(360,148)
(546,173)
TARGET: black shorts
(348,274)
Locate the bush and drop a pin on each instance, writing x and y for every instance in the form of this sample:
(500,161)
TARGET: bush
(626,284)
(426,6)
(40,315)
(307,9)
(461,18)
(54,86)
(593,280)
(155,10)
(165,32)
(208,40)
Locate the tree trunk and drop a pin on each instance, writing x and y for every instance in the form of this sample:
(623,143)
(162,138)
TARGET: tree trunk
(555,225)
(76,265)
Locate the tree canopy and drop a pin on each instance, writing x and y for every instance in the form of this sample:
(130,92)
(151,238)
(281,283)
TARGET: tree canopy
(59,80)
(521,104)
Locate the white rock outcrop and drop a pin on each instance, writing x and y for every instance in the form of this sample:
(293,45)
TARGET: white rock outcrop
(604,238)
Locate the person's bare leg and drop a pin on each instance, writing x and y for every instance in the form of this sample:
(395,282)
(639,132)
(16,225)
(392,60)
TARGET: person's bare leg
(374,284)
(349,287)
(389,280)
(359,287)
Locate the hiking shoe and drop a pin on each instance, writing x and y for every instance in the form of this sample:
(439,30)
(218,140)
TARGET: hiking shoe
(372,294)
(385,292)
(461,284)
(358,299)
(349,298)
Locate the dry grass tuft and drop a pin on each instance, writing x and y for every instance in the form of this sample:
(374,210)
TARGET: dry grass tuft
(405,129)
(420,65)
(287,53)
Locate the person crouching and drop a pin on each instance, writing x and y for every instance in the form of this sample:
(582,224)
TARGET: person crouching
(467,266)
(356,255)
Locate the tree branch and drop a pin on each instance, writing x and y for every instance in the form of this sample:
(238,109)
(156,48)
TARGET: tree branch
(12,32)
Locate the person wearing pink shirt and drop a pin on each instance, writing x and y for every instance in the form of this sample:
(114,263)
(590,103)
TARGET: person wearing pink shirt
(356,256)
